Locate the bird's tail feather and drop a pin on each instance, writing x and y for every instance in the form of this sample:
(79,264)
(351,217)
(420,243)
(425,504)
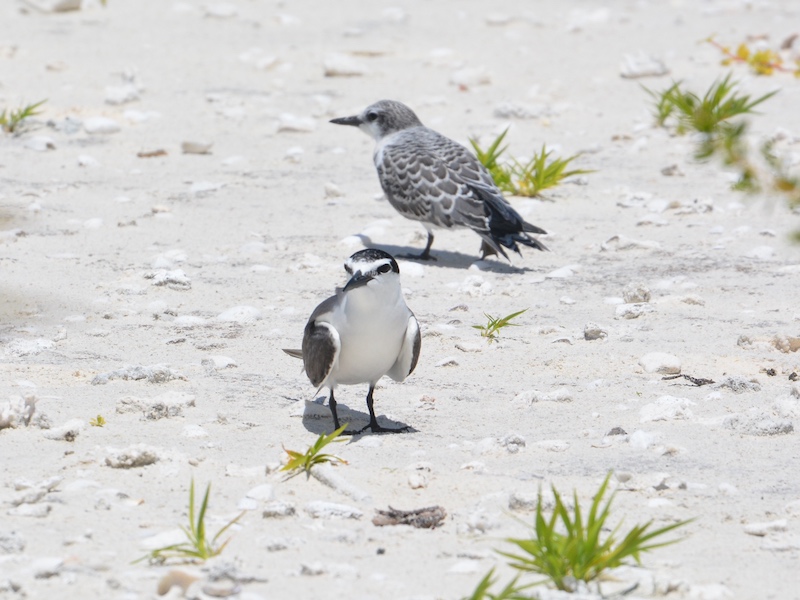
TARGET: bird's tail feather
(506,226)
(293,352)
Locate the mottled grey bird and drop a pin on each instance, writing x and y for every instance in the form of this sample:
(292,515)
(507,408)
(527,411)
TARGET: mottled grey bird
(430,178)
(362,333)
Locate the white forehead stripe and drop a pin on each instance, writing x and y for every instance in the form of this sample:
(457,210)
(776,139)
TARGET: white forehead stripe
(367,265)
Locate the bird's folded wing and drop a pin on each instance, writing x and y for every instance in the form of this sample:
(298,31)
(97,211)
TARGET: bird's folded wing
(409,351)
(431,179)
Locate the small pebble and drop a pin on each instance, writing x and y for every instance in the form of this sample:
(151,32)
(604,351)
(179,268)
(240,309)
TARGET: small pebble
(593,331)
(632,311)
(321,509)
(333,191)
(343,65)
(762,529)
(660,362)
(66,432)
(138,455)
(101,125)
(40,143)
(641,65)
(635,293)
(291,123)
(240,314)
(194,147)
(278,510)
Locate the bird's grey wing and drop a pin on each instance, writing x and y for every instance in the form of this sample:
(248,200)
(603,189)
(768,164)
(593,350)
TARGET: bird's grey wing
(294,352)
(429,177)
(409,352)
(321,344)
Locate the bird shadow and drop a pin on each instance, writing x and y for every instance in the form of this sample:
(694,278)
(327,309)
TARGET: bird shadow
(448,259)
(317,419)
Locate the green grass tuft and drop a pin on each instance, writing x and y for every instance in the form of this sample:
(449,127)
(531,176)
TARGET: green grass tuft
(12,120)
(198,546)
(568,547)
(524,179)
(491,331)
(304,462)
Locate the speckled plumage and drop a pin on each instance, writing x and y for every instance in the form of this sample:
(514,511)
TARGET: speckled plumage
(430,178)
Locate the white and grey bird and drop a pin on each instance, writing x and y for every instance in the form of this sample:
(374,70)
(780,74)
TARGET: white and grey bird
(430,178)
(363,332)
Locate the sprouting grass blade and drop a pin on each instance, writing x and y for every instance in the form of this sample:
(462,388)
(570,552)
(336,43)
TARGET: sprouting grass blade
(304,462)
(567,547)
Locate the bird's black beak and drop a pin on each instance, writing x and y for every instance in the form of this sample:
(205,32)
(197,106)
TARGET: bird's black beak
(354,121)
(357,280)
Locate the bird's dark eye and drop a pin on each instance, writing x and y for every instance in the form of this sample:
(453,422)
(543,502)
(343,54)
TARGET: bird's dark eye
(384,268)
(371,116)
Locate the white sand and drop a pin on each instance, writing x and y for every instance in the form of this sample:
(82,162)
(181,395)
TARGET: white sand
(89,228)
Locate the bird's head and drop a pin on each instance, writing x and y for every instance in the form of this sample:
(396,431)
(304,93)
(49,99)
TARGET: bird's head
(371,266)
(382,118)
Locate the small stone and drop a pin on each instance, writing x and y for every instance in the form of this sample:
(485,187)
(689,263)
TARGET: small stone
(37,511)
(641,65)
(342,65)
(417,480)
(122,94)
(660,362)
(470,347)
(554,445)
(217,363)
(672,171)
(44,568)
(67,432)
(84,160)
(278,510)
(739,385)
(522,501)
(513,443)
(56,5)
(40,143)
(469,77)
(635,293)
(138,455)
(11,543)
(333,191)
(101,125)
(262,492)
(532,396)
(563,272)
(240,314)
(181,578)
(593,331)
(762,529)
(666,408)
(194,431)
(786,343)
(221,588)
(195,147)
(761,253)
(292,123)
(632,311)
(757,422)
(320,509)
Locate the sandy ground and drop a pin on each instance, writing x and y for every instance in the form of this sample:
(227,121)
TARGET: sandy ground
(199,268)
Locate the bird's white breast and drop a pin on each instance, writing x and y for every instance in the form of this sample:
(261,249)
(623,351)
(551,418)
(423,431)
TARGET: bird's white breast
(371,322)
